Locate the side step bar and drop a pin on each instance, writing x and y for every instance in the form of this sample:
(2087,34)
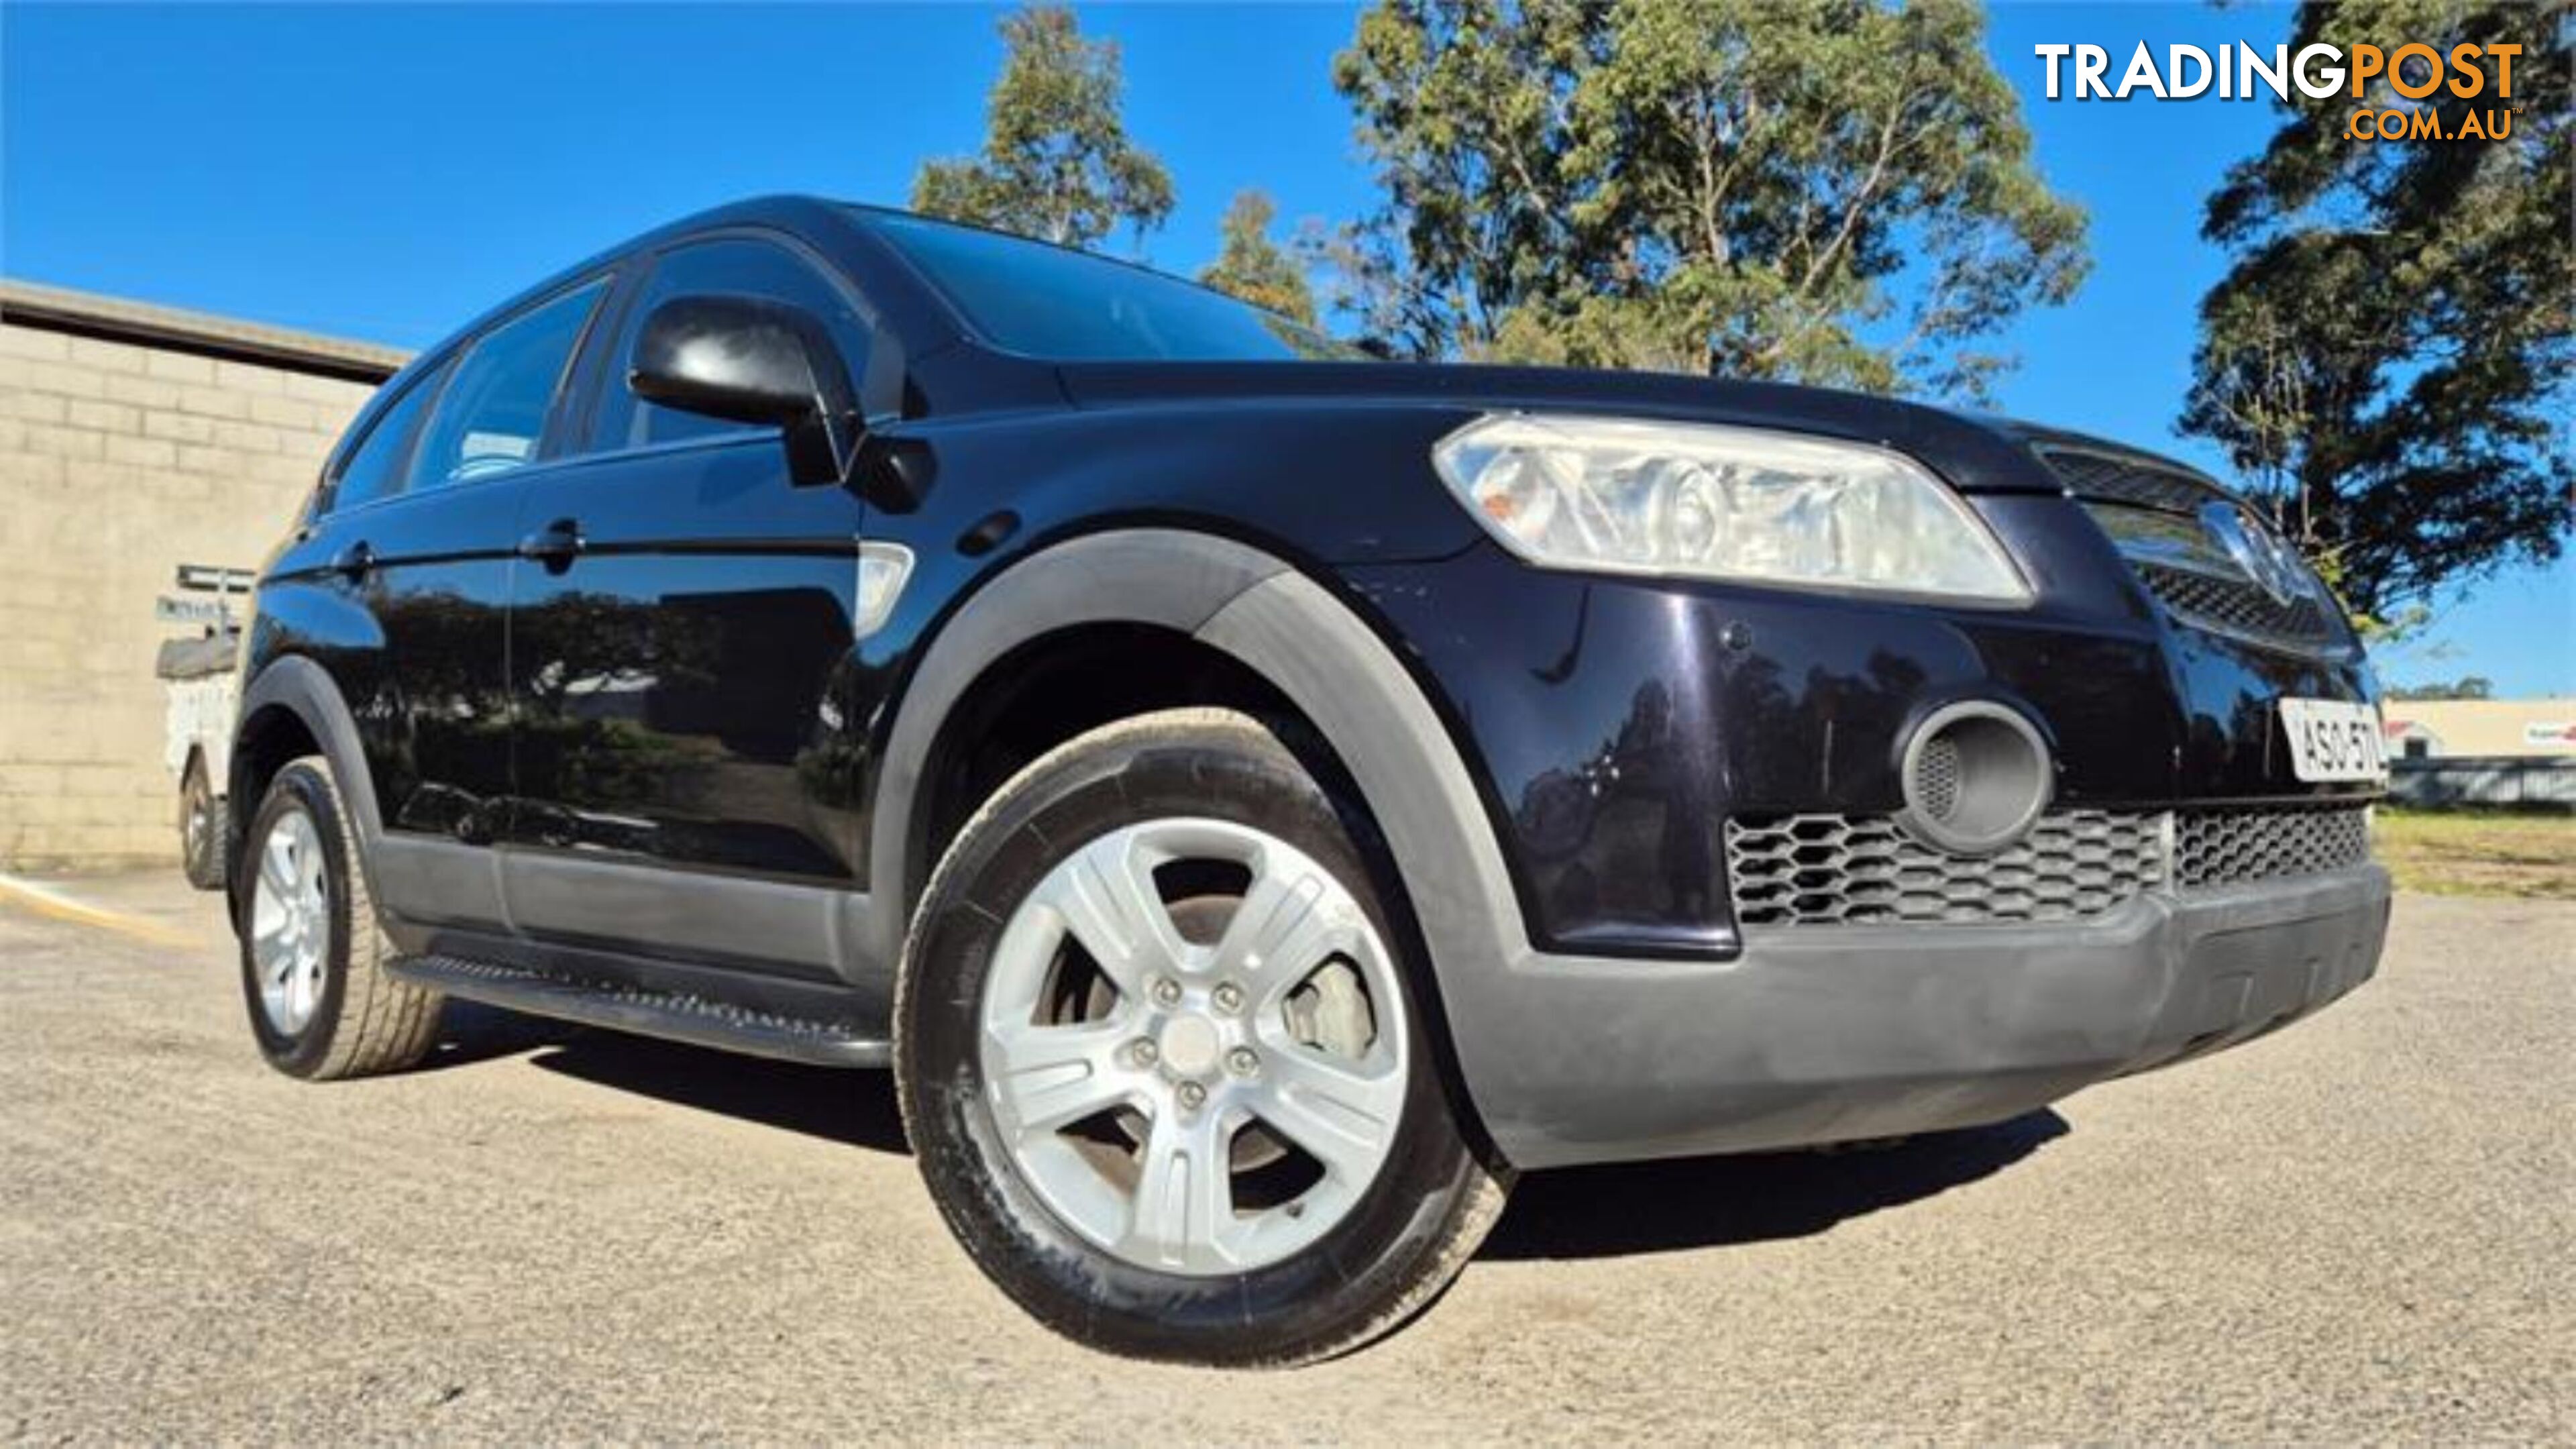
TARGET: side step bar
(692,1019)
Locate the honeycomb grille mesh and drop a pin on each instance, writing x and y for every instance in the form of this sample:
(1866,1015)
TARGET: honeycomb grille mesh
(2235,607)
(1802,870)
(1936,778)
(1864,869)
(2109,479)
(2223,847)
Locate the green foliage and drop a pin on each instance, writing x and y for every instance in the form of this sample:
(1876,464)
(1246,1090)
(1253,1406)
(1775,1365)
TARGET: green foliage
(2379,625)
(2475,686)
(1831,191)
(1057,163)
(2388,360)
(1252,266)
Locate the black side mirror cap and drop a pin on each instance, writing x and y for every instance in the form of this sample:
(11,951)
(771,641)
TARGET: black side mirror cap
(752,360)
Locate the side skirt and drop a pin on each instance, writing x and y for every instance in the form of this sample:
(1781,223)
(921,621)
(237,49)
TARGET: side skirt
(760,1016)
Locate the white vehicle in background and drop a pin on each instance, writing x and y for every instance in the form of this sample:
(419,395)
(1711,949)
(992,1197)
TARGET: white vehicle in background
(197,674)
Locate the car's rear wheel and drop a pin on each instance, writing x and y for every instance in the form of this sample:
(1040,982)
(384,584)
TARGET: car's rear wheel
(314,960)
(1168,1075)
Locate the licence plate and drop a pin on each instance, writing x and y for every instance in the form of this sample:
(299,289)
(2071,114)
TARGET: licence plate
(2333,740)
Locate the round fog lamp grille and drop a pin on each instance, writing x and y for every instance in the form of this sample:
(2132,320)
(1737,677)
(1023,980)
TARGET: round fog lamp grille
(1976,776)
(1936,778)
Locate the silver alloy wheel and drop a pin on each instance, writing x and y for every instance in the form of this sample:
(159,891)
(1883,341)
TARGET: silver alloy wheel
(290,921)
(197,824)
(1208,1056)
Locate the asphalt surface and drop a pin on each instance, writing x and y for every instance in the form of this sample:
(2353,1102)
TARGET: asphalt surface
(2356,1229)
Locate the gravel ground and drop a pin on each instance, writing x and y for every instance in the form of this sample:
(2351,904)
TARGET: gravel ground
(2356,1229)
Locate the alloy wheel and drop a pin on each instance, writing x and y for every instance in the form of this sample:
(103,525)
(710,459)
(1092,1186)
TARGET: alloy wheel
(197,826)
(1193,1043)
(290,922)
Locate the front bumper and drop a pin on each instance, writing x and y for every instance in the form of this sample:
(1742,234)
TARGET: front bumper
(1615,725)
(1821,1034)
(1586,1047)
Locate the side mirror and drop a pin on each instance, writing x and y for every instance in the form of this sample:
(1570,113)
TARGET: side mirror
(752,360)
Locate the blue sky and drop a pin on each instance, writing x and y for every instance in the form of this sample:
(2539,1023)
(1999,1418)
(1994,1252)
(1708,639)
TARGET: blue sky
(385,172)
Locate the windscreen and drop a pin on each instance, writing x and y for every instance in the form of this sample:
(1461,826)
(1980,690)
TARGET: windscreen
(1050,302)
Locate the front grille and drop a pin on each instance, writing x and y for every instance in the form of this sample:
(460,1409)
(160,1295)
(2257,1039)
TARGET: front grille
(2225,847)
(1863,869)
(2234,608)
(2191,598)
(2106,478)
(1833,870)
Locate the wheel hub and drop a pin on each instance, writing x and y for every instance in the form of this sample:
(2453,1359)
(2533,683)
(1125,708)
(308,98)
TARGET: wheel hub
(1191,1044)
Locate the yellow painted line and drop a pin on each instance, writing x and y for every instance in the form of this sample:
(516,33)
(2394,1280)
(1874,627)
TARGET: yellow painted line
(46,901)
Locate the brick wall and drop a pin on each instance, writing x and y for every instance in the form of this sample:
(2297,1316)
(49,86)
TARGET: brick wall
(119,461)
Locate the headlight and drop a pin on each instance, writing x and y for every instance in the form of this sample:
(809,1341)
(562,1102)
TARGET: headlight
(1699,500)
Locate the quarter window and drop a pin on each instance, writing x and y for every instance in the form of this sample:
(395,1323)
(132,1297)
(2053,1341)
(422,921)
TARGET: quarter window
(375,470)
(492,416)
(733,266)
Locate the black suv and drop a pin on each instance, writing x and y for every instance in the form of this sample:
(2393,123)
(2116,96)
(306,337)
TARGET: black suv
(1256,797)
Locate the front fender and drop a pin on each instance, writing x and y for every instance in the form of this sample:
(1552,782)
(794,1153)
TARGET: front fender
(1166,577)
(1338,673)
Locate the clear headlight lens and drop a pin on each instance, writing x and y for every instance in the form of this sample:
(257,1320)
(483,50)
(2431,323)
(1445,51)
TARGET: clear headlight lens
(1705,501)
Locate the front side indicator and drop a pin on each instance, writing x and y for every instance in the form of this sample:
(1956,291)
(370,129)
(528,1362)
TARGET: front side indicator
(884,568)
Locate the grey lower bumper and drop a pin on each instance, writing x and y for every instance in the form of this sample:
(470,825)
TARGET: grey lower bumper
(1836,1033)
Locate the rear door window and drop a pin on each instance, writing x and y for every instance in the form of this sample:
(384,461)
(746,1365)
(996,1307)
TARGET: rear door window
(492,416)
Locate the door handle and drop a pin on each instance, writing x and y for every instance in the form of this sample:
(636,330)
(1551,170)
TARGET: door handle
(355,561)
(556,545)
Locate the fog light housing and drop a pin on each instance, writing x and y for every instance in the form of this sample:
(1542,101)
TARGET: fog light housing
(1976,776)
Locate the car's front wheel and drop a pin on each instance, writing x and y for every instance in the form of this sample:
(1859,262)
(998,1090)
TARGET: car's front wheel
(1163,1063)
(314,961)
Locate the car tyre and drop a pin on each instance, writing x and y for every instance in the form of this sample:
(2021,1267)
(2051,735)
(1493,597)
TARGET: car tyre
(1265,1272)
(324,1003)
(201,829)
